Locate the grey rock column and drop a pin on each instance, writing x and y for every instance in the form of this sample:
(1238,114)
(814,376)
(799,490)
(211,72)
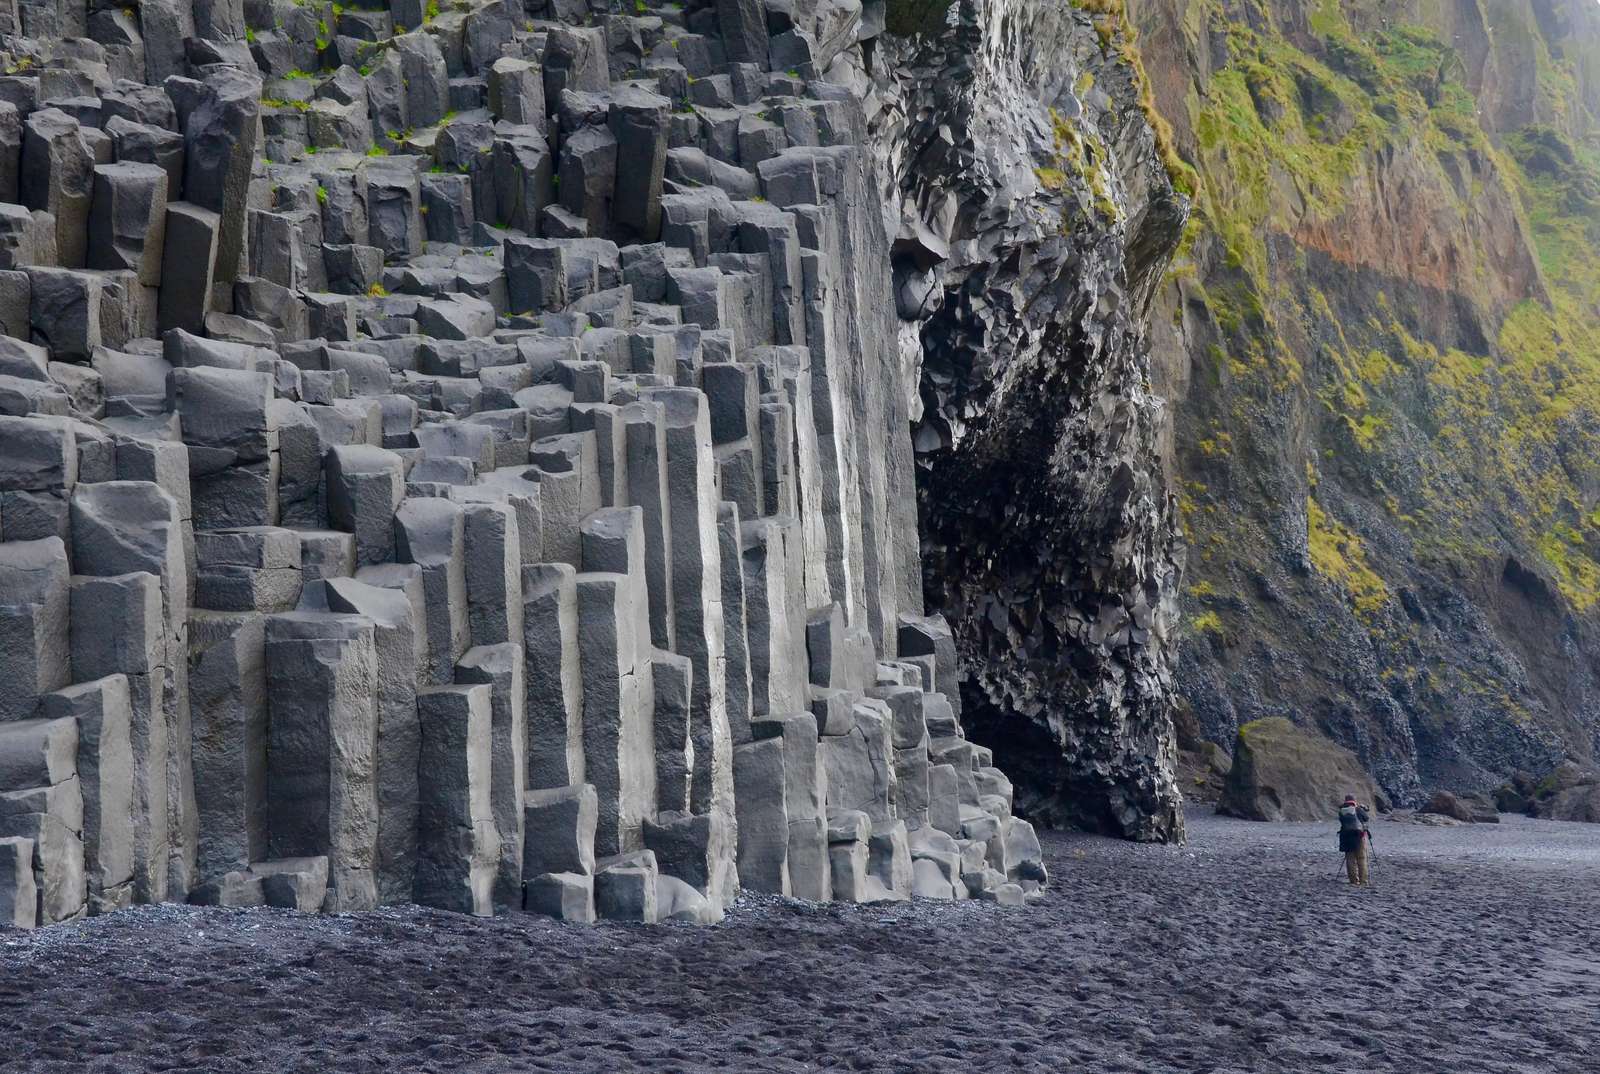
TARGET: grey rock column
(493,573)
(44,803)
(931,636)
(673,679)
(121,527)
(128,219)
(758,774)
(137,650)
(736,648)
(105,779)
(365,486)
(567,471)
(19,895)
(391,595)
(618,747)
(58,177)
(805,799)
(34,602)
(860,764)
(560,826)
(774,594)
(322,680)
(228,710)
(457,845)
(500,667)
(554,677)
(697,591)
(638,122)
(219,148)
(646,452)
(431,533)
(188,266)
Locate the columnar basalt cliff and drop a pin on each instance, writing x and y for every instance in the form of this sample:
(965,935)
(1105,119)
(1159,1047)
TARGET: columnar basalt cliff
(462,453)
(1035,222)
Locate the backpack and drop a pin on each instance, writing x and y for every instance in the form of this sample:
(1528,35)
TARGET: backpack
(1351,828)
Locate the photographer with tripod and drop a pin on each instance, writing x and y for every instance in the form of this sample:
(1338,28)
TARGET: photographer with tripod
(1355,840)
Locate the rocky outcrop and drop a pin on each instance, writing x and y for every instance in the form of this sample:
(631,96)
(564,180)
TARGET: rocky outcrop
(1283,772)
(1034,222)
(1379,350)
(1570,792)
(462,457)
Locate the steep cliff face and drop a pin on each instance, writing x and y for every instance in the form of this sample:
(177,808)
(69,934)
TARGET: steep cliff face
(1381,346)
(1035,221)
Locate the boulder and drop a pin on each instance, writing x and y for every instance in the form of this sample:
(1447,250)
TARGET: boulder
(1571,792)
(1282,772)
(1448,805)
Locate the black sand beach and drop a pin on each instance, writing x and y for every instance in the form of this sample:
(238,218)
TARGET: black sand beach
(1477,950)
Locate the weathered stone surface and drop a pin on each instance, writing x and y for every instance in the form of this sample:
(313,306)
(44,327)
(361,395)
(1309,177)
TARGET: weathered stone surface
(293,883)
(19,897)
(567,896)
(625,890)
(322,675)
(391,596)
(555,681)
(500,667)
(34,601)
(1283,772)
(758,773)
(104,715)
(619,758)
(457,846)
(365,486)
(487,433)
(560,828)
(228,699)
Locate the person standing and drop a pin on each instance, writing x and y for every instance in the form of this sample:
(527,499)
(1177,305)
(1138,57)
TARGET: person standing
(1354,838)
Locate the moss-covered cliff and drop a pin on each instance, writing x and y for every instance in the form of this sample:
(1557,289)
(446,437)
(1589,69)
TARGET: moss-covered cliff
(1381,343)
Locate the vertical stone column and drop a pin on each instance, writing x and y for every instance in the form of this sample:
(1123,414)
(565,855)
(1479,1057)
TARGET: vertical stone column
(391,596)
(431,533)
(613,623)
(228,703)
(500,667)
(105,779)
(736,645)
(457,846)
(698,621)
(774,615)
(322,686)
(554,677)
(121,527)
(646,456)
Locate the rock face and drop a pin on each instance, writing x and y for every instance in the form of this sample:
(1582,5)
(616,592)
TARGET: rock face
(1035,221)
(1381,354)
(466,458)
(1570,792)
(1283,772)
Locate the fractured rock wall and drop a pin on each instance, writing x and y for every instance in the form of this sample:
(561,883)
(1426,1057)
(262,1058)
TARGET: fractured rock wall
(459,455)
(1033,222)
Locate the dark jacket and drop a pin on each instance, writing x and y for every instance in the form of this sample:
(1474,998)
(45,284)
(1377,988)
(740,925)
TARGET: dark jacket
(1352,827)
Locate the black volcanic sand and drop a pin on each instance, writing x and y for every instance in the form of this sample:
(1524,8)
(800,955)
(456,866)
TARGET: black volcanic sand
(1478,950)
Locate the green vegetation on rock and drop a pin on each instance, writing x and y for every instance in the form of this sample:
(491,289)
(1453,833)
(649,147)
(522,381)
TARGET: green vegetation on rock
(1388,308)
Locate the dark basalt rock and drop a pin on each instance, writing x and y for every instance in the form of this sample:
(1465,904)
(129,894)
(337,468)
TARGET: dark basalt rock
(1036,219)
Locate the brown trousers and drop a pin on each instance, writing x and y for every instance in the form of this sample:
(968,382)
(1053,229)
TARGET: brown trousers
(1355,864)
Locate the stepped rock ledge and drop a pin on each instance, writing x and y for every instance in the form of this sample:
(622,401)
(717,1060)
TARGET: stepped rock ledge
(573,457)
